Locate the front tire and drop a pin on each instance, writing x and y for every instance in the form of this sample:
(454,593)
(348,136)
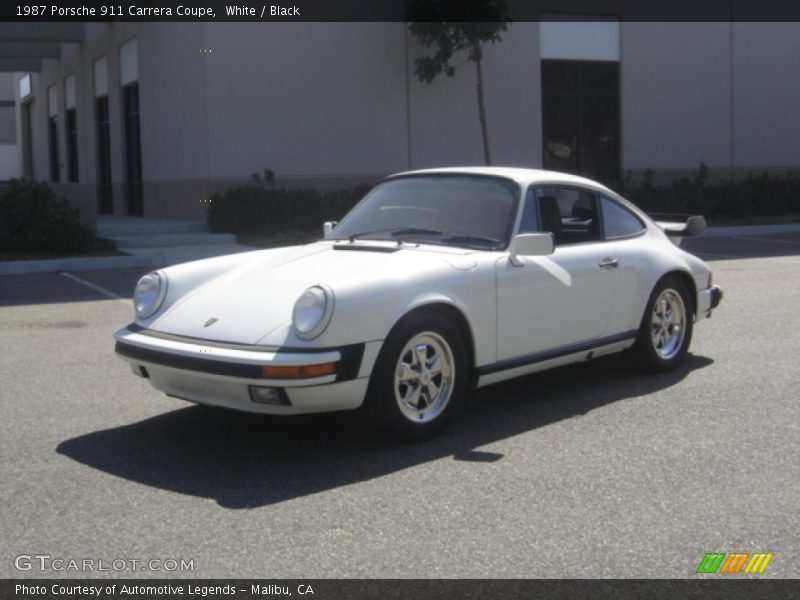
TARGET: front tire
(666,328)
(419,380)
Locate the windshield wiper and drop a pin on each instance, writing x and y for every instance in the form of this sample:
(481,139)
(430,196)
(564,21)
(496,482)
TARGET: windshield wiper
(414,231)
(362,234)
(396,233)
(473,241)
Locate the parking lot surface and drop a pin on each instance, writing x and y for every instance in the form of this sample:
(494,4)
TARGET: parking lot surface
(592,470)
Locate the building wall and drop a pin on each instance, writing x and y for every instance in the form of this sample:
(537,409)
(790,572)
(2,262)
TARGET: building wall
(174,119)
(766,96)
(313,100)
(330,106)
(675,95)
(720,93)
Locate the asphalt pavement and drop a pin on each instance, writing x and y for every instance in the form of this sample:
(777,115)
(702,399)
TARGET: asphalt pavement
(592,470)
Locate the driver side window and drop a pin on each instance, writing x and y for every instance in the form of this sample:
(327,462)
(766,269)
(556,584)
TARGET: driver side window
(570,214)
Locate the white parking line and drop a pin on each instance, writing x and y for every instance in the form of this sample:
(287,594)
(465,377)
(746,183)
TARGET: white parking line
(96,288)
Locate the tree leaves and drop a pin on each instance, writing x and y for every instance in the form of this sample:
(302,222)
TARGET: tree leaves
(480,22)
(449,39)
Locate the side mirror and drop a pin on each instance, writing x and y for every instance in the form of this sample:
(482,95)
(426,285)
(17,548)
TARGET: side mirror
(328,226)
(531,244)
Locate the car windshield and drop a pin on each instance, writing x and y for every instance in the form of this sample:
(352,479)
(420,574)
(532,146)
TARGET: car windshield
(453,210)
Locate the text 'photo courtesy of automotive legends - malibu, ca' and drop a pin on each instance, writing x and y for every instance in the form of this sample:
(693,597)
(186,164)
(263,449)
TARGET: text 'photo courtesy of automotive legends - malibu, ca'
(438,281)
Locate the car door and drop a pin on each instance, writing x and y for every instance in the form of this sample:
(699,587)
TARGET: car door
(555,301)
(624,235)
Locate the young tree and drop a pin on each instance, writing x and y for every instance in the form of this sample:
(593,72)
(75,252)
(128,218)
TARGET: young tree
(480,22)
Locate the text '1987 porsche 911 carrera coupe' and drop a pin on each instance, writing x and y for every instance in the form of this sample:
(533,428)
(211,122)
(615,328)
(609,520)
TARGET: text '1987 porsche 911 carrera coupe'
(435,282)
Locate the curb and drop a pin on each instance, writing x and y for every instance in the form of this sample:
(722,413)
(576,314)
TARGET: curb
(751,230)
(54,265)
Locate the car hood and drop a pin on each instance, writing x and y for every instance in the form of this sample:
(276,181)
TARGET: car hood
(249,302)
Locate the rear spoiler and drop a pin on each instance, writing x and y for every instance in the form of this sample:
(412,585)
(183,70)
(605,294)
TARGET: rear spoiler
(678,226)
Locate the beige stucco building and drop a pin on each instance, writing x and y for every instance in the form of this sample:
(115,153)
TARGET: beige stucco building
(153,118)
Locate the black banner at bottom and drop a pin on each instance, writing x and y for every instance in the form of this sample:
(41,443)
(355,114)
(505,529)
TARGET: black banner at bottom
(382,589)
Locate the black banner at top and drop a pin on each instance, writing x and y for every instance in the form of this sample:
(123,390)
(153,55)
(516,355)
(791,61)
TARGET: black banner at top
(391,10)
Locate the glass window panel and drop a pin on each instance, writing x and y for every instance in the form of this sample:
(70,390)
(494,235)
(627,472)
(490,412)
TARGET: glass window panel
(530,217)
(619,222)
(560,76)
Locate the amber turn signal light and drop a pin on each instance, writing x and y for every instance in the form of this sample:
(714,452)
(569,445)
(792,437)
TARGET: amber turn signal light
(304,372)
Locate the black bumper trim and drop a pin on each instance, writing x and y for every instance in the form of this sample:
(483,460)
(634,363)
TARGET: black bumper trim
(346,369)
(716,297)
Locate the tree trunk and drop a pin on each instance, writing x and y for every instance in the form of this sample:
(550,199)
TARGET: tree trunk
(482,113)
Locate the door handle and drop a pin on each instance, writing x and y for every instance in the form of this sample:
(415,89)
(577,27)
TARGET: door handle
(608,262)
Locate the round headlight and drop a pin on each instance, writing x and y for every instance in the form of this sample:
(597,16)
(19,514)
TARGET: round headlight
(149,294)
(312,312)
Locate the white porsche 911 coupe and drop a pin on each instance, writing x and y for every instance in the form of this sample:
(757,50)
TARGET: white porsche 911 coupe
(437,281)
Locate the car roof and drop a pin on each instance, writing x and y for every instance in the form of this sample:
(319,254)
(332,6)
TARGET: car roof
(522,176)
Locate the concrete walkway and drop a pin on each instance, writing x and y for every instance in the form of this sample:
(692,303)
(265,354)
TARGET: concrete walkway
(174,241)
(145,243)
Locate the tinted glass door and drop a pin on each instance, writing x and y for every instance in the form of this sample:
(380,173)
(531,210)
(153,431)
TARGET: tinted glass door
(55,160)
(580,117)
(133,150)
(72,145)
(105,204)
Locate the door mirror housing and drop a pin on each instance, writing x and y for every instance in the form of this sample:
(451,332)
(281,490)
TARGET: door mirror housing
(531,244)
(328,226)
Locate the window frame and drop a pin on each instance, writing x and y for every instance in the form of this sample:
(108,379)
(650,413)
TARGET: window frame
(529,192)
(598,199)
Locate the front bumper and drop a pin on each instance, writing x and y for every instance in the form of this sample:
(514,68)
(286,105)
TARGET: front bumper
(225,374)
(707,300)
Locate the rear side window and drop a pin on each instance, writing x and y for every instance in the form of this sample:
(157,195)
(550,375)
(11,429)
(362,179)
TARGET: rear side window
(618,221)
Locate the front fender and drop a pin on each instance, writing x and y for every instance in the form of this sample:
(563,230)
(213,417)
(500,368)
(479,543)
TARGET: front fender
(363,316)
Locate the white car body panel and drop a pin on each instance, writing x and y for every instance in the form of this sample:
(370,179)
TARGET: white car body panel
(552,300)
(253,302)
(548,303)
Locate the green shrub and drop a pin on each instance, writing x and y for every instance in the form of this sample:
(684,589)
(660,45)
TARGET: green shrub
(32,220)
(758,195)
(258,209)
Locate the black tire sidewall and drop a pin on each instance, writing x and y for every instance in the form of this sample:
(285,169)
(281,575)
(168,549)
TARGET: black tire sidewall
(380,406)
(645,352)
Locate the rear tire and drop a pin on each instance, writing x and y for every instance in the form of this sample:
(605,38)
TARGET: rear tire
(666,328)
(419,379)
